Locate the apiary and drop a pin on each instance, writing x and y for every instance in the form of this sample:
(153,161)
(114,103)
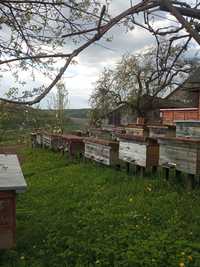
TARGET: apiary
(180,152)
(139,150)
(102,151)
(11,183)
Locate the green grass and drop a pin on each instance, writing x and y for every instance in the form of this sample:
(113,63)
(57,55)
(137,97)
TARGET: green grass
(87,215)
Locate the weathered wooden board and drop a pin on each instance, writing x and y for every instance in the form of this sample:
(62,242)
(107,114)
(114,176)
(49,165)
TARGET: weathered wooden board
(143,152)
(72,144)
(98,152)
(46,140)
(39,139)
(133,152)
(103,151)
(161,131)
(183,155)
(137,130)
(188,129)
(7,220)
(169,116)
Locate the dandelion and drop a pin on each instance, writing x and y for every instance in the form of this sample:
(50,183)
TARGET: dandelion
(190,258)
(181,264)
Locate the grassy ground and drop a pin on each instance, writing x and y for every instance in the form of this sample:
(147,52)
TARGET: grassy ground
(85,215)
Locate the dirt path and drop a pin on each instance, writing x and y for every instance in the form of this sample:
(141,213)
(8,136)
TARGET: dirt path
(12,149)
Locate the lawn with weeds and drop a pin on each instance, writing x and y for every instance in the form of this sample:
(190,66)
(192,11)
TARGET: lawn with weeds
(81,214)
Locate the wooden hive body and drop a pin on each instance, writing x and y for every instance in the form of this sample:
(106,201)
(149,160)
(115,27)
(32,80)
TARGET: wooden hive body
(188,129)
(73,144)
(182,153)
(140,151)
(11,182)
(156,131)
(102,151)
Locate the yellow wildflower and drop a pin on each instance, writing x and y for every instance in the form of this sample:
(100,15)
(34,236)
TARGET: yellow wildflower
(181,264)
(190,258)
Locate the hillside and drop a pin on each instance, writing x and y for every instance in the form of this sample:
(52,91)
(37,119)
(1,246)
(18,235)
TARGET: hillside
(19,117)
(17,121)
(78,113)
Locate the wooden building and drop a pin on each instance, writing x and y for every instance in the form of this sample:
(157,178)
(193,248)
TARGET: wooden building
(189,94)
(102,151)
(124,115)
(11,183)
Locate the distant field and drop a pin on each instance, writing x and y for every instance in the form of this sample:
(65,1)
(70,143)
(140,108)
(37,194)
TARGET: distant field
(81,214)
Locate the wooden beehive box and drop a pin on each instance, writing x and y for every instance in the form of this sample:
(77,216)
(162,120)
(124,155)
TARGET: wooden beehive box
(156,131)
(56,142)
(100,133)
(182,153)
(137,130)
(73,145)
(188,129)
(39,139)
(169,116)
(102,151)
(11,182)
(141,151)
(46,139)
(33,139)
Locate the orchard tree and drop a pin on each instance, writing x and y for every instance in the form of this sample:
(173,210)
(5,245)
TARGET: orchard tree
(145,76)
(38,36)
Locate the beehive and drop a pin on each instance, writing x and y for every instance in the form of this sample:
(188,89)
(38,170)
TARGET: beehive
(141,151)
(188,129)
(137,130)
(73,145)
(180,152)
(102,151)
(11,182)
(156,131)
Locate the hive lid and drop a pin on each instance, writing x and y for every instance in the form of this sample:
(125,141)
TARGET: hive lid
(72,137)
(188,140)
(100,141)
(136,138)
(11,176)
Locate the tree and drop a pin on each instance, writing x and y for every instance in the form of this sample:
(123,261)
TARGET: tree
(135,78)
(58,103)
(35,34)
